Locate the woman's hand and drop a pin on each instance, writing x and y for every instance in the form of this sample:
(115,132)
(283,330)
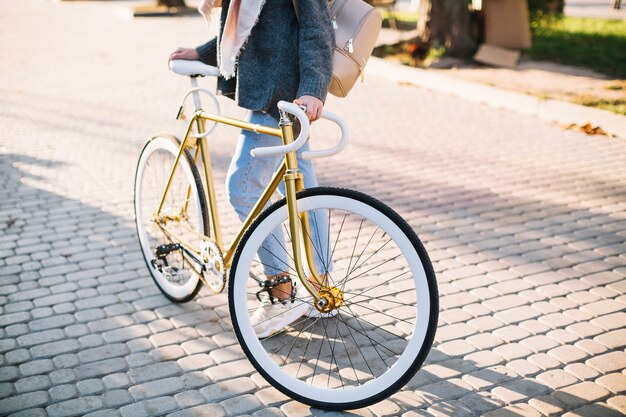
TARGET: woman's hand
(314,106)
(185,53)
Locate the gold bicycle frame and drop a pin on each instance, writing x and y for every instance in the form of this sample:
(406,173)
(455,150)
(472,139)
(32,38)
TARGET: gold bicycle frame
(298,223)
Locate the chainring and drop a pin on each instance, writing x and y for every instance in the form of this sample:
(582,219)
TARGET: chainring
(214,266)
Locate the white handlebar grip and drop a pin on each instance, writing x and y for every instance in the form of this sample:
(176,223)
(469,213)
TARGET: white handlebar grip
(295,145)
(343,142)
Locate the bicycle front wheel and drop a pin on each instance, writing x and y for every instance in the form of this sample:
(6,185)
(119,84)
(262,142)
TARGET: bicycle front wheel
(380,334)
(183,216)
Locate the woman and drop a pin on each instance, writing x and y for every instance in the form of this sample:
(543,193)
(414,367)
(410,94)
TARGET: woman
(265,54)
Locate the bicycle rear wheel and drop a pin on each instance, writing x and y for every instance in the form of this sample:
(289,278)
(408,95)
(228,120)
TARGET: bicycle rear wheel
(184,213)
(377,338)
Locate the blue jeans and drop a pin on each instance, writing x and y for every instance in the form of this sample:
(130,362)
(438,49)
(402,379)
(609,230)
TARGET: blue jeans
(245,182)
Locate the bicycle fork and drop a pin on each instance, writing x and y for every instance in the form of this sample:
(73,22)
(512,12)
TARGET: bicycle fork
(325,299)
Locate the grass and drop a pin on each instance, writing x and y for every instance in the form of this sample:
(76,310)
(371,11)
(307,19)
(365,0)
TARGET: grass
(616,106)
(404,20)
(598,44)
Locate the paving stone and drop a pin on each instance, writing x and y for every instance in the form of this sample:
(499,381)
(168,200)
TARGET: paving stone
(456,348)
(511,333)
(75,407)
(616,383)
(568,354)
(515,410)
(55,349)
(104,413)
(610,362)
(62,376)
(512,351)
(160,406)
(101,368)
(582,371)
(16,357)
(520,390)
(611,321)
(24,401)
(195,362)
(480,403)
(591,347)
(188,399)
(613,340)
(158,388)
(246,403)
(90,387)
(268,412)
(563,336)
(63,392)
(199,345)
(523,367)
(33,412)
(116,381)
(152,372)
(168,353)
(603,307)
(445,390)
(126,333)
(453,331)
(227,354)
(134,410)
(227,389)
(447,408)
(487,378)
(548,405)
(539,343)
(139,359)
(6,390)
(213,410)
(37,367)
(230,370)
(578,395)
(37,338)
(557,378)
(32,383)
(618,403)
(584,330)
(594,410)
(103,352)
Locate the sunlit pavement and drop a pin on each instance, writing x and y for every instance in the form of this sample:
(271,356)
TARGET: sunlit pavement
(525,223)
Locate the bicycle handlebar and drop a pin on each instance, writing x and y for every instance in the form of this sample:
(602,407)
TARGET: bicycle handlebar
(197,68)
(294,109)
(304,135)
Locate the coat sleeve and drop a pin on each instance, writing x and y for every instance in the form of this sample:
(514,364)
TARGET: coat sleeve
(208,52)
(316,42)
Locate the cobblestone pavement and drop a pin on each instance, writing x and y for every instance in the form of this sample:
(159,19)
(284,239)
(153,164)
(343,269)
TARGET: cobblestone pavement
(525,224)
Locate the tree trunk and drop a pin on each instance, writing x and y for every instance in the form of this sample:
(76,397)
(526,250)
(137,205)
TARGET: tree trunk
(447,23)
(172,3)
(556,6)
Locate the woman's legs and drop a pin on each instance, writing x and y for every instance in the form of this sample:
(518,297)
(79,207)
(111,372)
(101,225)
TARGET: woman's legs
(247,178)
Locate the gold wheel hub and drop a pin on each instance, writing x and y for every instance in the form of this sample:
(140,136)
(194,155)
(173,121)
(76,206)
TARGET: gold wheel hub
(330,299)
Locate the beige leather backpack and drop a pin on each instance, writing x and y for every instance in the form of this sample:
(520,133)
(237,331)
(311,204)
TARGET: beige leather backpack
(357,25)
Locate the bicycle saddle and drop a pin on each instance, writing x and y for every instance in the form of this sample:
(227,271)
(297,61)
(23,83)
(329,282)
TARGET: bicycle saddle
(193,68)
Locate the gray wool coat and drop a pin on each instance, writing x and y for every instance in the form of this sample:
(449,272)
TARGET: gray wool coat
(283,59)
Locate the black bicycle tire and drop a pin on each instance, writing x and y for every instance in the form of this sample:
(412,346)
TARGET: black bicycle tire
(203,208)
(430,277)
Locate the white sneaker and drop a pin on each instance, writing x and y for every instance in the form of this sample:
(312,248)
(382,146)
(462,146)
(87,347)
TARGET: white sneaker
(271,318)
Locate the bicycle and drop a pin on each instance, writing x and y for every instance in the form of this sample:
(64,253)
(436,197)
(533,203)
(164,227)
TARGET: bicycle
(370,287)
